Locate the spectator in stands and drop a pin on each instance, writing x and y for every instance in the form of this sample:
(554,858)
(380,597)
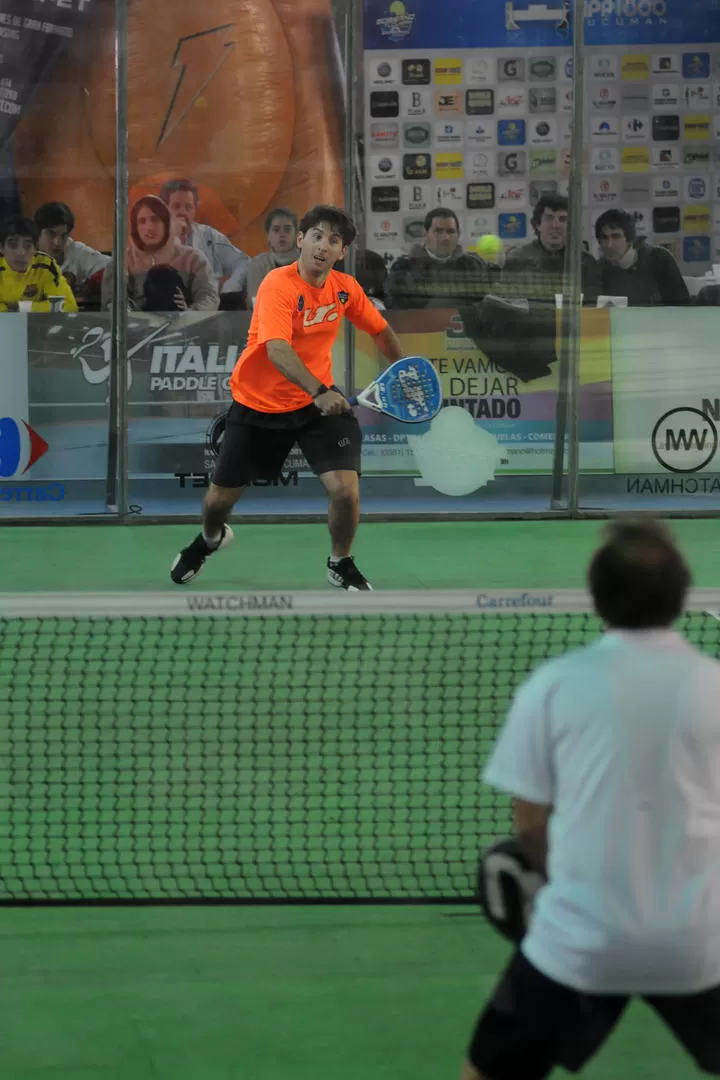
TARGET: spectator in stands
(26,274)
(281,227)
(437,272)
(229,264)
(648,276)
(56,222)
(535,271)
(163,274)
(372,273)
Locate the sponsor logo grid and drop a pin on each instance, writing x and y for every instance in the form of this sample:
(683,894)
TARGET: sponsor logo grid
(488,130)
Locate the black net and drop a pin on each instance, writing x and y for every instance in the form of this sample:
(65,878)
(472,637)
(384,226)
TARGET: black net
(257,759)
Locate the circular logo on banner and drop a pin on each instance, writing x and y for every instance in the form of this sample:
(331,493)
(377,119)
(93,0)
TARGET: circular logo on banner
(684,440)
(215,434)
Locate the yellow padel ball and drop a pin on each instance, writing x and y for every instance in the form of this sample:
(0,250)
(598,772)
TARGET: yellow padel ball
(489,247)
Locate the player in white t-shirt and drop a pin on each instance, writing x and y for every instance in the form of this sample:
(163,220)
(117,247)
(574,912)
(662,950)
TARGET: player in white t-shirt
(612,756)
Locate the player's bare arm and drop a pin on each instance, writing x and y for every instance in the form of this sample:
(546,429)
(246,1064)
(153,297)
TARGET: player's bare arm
(388,344)
(287,361)
(531,822)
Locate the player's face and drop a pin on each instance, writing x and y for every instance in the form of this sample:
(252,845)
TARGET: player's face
(19,251)
(150,229)
(552,229)
(320,248)
(442,237)
(613,243)
(54,242)
(182,205)
(282,235)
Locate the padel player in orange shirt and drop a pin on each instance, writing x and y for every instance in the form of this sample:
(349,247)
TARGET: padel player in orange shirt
(283,394)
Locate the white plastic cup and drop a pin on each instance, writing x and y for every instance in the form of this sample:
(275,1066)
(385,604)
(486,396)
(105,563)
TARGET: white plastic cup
(25,305)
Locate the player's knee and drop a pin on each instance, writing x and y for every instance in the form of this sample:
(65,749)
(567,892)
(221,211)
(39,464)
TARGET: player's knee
(221,497)
(344,493)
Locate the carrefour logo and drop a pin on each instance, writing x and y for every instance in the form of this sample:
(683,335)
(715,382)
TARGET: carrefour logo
(20,447)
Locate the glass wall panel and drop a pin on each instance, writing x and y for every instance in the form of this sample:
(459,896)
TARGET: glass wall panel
(466,139)
(652,221)
(56,208)
(236,110)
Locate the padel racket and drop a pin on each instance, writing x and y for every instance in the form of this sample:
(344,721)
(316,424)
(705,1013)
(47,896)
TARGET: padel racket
(409,390)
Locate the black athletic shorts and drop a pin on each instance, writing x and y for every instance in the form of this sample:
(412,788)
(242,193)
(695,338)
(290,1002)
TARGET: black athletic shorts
(533,1024)
(255,444)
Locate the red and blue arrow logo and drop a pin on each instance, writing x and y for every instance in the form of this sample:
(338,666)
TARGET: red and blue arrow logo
(20,447)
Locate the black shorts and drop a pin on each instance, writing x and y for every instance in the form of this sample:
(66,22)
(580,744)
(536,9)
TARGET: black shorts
(255,445)
(533,1024)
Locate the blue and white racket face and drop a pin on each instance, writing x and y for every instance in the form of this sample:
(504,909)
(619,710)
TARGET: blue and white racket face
(409,390)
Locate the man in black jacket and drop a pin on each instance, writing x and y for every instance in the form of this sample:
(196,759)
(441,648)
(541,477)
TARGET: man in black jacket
(648,276)
(437,273)
(536,270)
(519,321)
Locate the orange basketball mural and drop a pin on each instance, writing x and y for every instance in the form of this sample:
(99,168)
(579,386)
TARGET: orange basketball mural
(239,95)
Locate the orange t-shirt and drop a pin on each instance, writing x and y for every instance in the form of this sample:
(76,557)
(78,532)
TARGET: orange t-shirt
(288,309)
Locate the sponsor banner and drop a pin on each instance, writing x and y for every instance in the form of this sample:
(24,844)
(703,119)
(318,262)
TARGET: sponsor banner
(666,414)
(504,83)
(516,419)
(516,25)
(33,33)
(178,367)
(14,366)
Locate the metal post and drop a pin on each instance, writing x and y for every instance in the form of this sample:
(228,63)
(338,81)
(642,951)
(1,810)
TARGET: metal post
(566,423)
(349,171)
(120,304)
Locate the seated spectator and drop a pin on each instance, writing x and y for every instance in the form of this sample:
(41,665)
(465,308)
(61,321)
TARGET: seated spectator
(516,325)
(437,272)
(78,262)
(26,274)
(281,227)
(163,274)
(371,272)
(536,271)
(227,261)
(648,276)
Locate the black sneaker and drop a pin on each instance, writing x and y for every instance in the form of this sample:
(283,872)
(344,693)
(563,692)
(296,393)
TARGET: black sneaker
(191,559)
(345,575)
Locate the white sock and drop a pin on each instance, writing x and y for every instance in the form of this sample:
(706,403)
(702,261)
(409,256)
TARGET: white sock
(335,559)
(212,541)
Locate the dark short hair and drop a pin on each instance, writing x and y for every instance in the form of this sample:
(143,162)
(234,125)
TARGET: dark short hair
(52,214)
(439,212)
(548,202)
(19,226)
(280,211)
(171,186)
(616,219)
(638,577)
(338,220)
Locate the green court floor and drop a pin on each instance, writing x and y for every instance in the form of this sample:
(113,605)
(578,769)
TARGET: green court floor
(263,994)
(433,555)
(281,993)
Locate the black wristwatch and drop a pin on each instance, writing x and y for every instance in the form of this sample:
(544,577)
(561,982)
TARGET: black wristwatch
(322,389)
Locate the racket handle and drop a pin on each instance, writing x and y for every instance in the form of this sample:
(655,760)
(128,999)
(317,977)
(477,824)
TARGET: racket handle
(352,401)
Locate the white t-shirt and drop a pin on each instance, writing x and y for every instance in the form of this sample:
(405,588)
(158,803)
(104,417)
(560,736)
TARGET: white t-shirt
(82,261)
(622,739)
(226,260)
